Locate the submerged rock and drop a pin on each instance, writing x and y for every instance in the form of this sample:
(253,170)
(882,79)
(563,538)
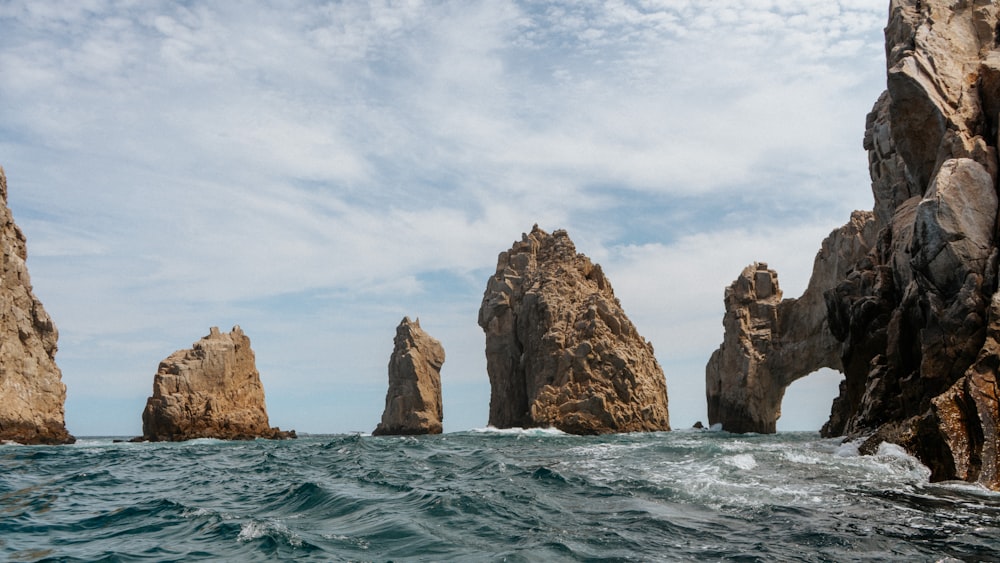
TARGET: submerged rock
(560,351)
(212,390)
(413,401)
(32,394)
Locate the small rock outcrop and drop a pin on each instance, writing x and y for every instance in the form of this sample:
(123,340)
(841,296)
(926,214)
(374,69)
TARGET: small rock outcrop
(560,351)
(770,342)
(413,401)
(32,394)
(212,390)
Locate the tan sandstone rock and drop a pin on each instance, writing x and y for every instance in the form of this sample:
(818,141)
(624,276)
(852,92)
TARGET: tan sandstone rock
(32,394)
(770,342)
(212,390)
(560,351)
(413,401)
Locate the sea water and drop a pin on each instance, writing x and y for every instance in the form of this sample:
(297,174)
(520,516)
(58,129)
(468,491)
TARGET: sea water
(488,496)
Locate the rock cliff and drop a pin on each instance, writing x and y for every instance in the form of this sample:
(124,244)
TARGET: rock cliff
(212,390)
(32,394)
(560,351)
(413,401)
(770,342)
(918,317)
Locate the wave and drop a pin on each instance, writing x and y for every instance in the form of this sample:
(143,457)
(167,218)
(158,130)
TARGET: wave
(487,494)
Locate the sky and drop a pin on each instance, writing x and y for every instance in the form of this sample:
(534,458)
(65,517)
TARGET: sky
(315,171)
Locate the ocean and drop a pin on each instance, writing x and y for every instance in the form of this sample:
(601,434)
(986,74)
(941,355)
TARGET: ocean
(489,495)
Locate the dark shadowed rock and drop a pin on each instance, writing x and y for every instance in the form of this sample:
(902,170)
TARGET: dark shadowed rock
(918,316)
(212,390)
(32,394)
(560,351)
(413,401)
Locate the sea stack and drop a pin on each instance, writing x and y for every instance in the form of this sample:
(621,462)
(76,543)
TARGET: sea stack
(918,317)
(413,401)
(560,351)
(212,390)
(770,342)
(32,394)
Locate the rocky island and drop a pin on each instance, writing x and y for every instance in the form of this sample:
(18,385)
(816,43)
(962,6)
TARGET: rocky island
(32,394)
(560,351)
(916,319)
(212,390)
(413,401)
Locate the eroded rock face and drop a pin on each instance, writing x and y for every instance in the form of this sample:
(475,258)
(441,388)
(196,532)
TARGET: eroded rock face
(32,394)
(212,390)
(770,342)
(916,318)
(413,401)
(919,316)
(560,351)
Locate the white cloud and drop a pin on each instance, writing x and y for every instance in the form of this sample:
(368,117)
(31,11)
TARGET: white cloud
(179,166)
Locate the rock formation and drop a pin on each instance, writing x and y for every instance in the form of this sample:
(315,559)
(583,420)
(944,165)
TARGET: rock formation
(560,351)
(919,316)
(770,342)
(212,390)
(413,401)
(32,394)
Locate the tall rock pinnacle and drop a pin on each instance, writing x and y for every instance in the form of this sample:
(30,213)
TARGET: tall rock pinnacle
(413,401)
(32,394)
(560,351)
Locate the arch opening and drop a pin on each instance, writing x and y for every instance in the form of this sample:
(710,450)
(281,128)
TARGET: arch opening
(807,401)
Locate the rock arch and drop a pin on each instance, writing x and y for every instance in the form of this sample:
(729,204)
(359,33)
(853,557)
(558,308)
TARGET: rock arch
(770,342)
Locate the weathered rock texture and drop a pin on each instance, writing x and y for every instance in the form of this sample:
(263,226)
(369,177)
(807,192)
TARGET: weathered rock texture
(919,317)
(413,401)
(770,342)
(560,351)
(212,390)
(32,394)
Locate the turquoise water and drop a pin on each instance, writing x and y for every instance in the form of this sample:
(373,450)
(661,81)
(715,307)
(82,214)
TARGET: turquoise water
(487,496)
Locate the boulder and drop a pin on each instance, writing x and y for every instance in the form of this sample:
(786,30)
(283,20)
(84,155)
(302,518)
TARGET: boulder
(413,401)
(560,350)
(212,390)
(32,394)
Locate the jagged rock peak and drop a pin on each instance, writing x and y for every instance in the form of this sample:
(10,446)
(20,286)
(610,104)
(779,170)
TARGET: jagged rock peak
(212,390)
(413,401)
(560,350)
(32,394)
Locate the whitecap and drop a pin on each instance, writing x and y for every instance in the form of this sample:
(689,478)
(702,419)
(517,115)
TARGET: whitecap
(256,529)
(742,461)
(519,431)
(848,449)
